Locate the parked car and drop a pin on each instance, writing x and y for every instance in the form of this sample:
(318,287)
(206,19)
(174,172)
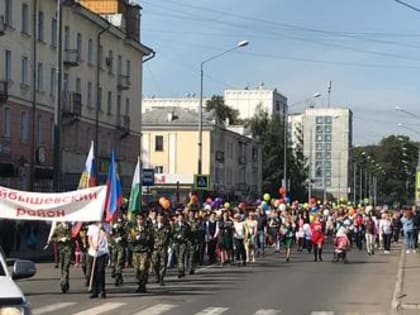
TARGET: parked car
(12,300)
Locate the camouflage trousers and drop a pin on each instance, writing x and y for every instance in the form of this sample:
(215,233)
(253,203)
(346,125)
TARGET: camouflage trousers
(64,260)
(180,251)
(191,253)
(141,263)
(118,259)
(159,262)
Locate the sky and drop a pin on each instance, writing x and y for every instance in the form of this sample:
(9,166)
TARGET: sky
(369,49)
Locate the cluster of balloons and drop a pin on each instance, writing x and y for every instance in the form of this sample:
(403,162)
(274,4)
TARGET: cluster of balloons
(276,203)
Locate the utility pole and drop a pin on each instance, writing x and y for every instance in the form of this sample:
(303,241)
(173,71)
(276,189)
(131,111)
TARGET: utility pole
(58,97)
(354,182)
(329,93)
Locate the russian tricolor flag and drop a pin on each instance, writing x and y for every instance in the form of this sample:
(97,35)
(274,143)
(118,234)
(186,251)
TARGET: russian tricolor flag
(87,179)
(114,196)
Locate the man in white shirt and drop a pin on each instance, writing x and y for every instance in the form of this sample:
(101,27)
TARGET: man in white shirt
(98,248)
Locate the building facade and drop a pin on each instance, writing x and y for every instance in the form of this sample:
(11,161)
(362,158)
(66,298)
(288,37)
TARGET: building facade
(295,130)
(247,100)
(328,134)
(191,102)
(170,139)
(108,98)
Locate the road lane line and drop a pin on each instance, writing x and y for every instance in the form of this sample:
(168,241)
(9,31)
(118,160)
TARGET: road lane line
(213,311)
(267,312)
(322,313)
(156,309)
(51,308)
(100,309)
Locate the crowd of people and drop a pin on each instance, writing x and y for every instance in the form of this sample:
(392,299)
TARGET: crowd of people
(158,239)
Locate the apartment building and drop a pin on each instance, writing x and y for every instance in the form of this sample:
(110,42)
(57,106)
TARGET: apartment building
(101,72)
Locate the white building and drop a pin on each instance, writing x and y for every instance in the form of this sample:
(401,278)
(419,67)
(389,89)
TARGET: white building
(295,126)
(190,103)
(246,101)
(28,63)
(327,144)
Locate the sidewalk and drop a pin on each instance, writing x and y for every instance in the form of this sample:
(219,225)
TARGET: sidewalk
(410,282)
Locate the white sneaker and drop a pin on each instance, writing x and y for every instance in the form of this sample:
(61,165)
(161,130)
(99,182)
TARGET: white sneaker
(407,251)
(414,251)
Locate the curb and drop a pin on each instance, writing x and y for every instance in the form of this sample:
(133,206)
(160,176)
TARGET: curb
(396,302)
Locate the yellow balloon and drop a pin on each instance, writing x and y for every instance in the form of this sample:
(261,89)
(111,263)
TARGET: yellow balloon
(226,205)
(267,197)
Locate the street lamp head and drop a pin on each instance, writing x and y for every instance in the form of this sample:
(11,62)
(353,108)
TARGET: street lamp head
(397,108)
(243,43)
(316,95)
(399,124)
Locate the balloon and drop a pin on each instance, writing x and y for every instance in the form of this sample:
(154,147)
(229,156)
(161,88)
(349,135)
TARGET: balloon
(312,201)
(282,191)
(282,207)
(314,209)
(209,200)
(241,205)
(213,204)
(194,199)
(258,201)
(226,205)
(267,197)
(287,199)
(219,200)
(161,200)
(264,205)
(277,203)
(305,205)
(165,204)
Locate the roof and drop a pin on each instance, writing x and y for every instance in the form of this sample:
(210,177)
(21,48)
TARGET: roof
(176,116)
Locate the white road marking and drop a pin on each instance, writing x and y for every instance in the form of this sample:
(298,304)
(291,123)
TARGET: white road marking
(213,311)
(267,312)
(156,309)
(51,308)
(100,309)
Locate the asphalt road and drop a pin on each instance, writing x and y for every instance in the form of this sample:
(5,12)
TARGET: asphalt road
(268,287)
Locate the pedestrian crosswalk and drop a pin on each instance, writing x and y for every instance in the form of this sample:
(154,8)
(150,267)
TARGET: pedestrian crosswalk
(71,308)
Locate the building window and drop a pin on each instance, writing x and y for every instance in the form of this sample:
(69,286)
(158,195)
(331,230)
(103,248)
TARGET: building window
(25,18)
(52,132)
(38,130)
(89,94)
(90,51)
(328,138)
(128,68)
(8,65)
(109,103)
(127,106)
(52,81)
(79,46)
(54,32)
(41,26)
(328,120)
(8,12)
(40,77)
(319,120)
(99,99)
(119,69)
(6,122)
(158,169)
(23,130)
(66,38)
(277,106)
(78,86)
(66,84)
(158,143)
(24,71)
(110,61)
(101,57)
(328,129)
(118,105)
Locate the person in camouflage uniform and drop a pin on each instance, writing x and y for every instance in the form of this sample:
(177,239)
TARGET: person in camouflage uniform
(119,232)
(62,235)
(192,241)
(140,238)
(161,236)
(180,237)
(84,258)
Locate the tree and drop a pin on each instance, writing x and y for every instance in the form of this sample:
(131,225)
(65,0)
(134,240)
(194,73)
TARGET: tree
(268,130)
(221,110)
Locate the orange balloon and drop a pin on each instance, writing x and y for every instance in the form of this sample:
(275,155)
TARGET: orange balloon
(166,204)
(161,200)
(194,199)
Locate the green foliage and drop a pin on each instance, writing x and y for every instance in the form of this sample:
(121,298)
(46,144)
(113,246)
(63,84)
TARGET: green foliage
(221,110)
(396,178)
(270,133)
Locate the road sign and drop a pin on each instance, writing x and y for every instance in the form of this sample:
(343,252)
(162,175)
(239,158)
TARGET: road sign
(148,177)
(202,182)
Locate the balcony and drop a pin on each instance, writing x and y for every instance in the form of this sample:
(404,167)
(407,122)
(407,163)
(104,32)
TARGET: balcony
(72,105)
(71,57)
(220,156)
(123,82)
(4,94)
(123,125)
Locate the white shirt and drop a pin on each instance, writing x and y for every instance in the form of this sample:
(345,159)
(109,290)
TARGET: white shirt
(238,230)
(100,239)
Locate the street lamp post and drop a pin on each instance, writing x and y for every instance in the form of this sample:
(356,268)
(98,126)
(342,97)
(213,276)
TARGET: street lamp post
(200,109)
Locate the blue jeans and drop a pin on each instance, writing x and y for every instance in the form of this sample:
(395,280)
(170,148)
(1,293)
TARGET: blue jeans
(409,239)
(260,241)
